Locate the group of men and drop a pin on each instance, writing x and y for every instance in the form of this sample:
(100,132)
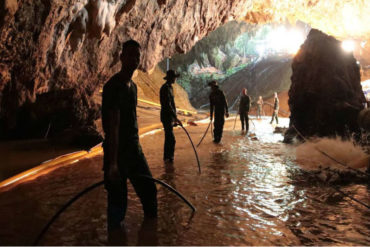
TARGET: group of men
(123,156)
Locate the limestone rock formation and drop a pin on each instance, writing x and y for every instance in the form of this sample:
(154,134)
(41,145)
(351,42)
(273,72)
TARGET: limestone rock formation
(262,77)
(326,95)
(49,46)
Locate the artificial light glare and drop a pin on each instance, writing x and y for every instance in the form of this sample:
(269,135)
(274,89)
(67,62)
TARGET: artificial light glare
(286,40)
(348,45)
(261,50)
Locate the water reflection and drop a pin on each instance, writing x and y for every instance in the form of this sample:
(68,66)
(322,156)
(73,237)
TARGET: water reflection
(250,192)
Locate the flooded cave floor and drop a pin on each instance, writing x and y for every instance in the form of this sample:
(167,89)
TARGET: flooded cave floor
(246,195)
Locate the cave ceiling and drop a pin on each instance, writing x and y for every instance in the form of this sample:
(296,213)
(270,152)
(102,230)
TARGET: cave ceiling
(48,45)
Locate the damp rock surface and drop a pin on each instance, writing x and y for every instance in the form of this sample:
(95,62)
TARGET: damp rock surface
(55,45)
(326,95)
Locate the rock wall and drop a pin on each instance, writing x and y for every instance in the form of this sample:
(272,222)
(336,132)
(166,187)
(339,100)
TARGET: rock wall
(48,46)
(149,85)
(326,95)
(262,77)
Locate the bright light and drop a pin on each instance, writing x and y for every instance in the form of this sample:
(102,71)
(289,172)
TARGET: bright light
(284,40)
(261,50)
(294,41)
(348,45)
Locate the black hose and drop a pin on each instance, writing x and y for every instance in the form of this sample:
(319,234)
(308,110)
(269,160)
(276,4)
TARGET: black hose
(88,189)
(205,133)
(169,187)
(62,209)
(192,144)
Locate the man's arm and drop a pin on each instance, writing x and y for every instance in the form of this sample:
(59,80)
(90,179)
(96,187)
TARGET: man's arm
(112,142)
(225,104)
(211,107)
(240,104)
(172,106)
(166,101)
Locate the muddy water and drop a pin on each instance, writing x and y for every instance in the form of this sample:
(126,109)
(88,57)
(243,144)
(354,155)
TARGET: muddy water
(250,192)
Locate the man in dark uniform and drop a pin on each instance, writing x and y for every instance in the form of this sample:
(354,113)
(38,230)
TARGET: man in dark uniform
(276,109)
(218,105)
(123,156)
(244,106)
(168,115)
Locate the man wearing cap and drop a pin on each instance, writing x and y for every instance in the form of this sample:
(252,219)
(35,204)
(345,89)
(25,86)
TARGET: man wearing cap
(168,115)
(218,105)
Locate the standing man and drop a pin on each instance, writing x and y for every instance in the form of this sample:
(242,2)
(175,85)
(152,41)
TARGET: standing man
(168,115)
(123,156)
(259,107)
(276,109)
(244,106)
(218,105)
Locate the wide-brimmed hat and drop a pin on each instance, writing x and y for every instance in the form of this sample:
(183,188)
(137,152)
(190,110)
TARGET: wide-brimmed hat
(171,74)
(213,84)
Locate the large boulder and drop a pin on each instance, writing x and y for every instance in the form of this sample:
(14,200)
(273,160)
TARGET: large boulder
(326,95)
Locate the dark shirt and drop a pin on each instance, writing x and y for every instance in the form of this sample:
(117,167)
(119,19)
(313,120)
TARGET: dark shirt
(218,102)
(168,107)
(245,102)
(117,95)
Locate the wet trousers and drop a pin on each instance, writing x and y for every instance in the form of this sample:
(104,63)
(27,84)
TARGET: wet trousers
(131,163)
(169,140)
(275,116)
(219,126)
(259,111)
(245,120)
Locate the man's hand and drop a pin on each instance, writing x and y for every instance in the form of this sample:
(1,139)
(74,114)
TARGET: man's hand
(113,173)
(227,114)
(177,122)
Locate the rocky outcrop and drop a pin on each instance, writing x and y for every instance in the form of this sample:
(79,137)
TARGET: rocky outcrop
(49,46)
(216,50)
(326,95)
(262,77)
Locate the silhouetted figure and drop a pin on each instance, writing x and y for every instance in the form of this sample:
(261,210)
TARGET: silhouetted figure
(123,156)
(259,107)
(168,115)
(276,109)
(244,106)
(218,105)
